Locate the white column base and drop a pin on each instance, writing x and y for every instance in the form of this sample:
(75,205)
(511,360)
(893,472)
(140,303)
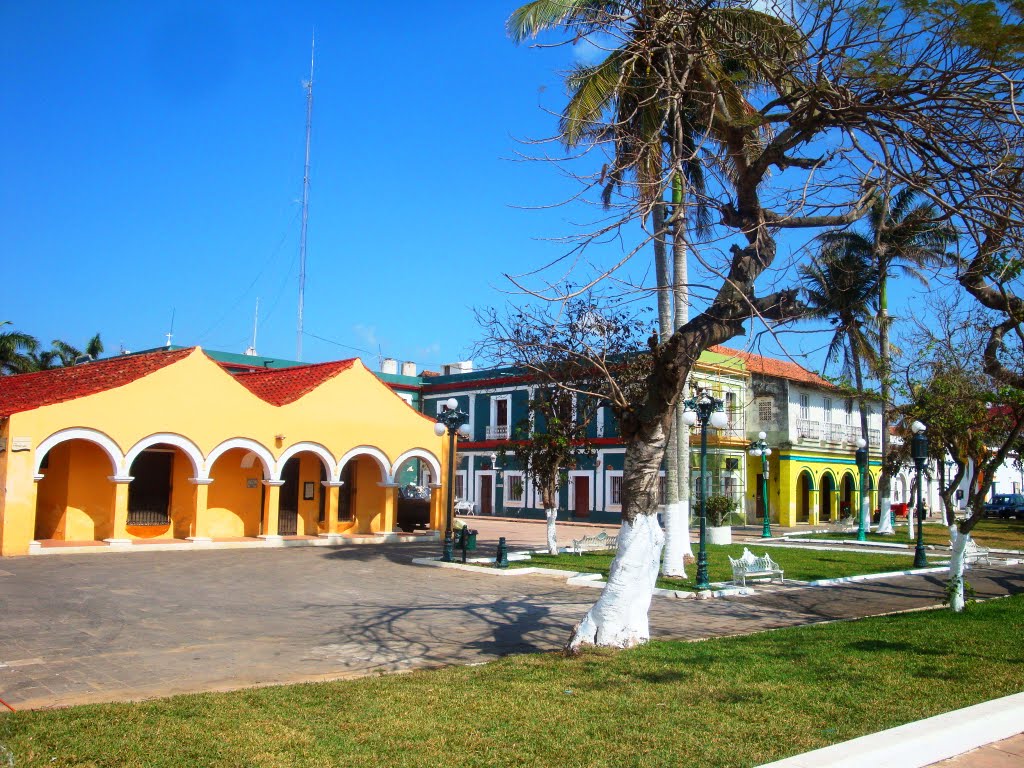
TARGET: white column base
(199,540)
(272,540)
(119,542)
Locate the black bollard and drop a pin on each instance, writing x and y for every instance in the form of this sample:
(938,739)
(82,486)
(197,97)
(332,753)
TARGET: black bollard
(502,559)
(464,541)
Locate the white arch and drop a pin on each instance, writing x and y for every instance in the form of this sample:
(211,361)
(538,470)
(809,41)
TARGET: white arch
(326,456)
(109,447)
(418,453)
(187,447)
(367,450)
(257,449)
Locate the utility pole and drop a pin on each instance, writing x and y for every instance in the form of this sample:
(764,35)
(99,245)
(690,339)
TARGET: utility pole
(308,85)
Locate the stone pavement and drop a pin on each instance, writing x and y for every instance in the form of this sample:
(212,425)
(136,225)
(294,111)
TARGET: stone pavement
(82,628)
(1008,753)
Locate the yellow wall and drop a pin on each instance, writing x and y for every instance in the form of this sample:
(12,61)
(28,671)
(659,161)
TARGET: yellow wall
(52,495)
(351,410)
(234,507)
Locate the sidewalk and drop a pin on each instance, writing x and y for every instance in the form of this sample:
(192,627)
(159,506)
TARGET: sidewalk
(987,735)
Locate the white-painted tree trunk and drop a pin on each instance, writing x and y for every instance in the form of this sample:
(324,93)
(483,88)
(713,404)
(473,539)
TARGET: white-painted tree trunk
(911,521)
(677,540)
(958,545)
(552,517)
(619,617)
(865,512)
(885,518)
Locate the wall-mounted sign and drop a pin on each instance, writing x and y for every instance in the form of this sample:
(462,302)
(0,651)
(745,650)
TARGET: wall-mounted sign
(21,443)
(251,482)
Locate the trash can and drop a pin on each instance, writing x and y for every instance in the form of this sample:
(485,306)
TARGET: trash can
(471,541)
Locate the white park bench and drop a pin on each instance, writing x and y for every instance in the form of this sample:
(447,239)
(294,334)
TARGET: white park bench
(975,554)
(598,543)
(750,565)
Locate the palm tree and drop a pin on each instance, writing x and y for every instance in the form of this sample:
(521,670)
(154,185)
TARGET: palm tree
(16,350)
(903,234)
(839,288)
(624,100)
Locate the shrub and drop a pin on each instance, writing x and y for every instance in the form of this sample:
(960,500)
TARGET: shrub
(719,509)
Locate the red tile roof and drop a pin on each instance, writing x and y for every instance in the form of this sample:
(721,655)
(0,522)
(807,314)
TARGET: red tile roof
(28,391)
(769,366)
(280,386)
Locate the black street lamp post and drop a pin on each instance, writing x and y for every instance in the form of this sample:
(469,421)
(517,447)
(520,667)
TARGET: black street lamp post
(452,421)
(861,457)
(919,452)
(705,409)
(760,448)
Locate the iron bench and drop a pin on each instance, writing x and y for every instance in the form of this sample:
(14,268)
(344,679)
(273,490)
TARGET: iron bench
(750,565)
(975,554)
(601,541)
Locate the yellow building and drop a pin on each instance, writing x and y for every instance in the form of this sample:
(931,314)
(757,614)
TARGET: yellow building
(169,446)
(812,428)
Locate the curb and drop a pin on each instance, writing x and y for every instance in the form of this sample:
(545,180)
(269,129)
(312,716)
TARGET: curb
(921,743)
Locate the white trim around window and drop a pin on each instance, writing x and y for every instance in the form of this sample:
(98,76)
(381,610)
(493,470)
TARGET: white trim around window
(610,478)
(511,477)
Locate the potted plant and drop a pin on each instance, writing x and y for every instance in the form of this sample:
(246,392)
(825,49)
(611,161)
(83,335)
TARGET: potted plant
(719,510)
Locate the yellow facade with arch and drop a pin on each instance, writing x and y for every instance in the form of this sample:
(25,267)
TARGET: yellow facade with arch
(808,488)
(304,451)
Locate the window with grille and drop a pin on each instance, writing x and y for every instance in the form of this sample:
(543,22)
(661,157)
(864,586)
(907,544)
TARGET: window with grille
(615,490)
(514,487)
(765,409)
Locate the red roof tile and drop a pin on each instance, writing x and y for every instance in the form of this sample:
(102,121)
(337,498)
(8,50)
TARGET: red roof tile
(280,386)
(28,391)
(769,366)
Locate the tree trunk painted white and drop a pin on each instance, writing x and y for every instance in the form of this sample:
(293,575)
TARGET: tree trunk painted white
(958,545)
(552,516)
(619,618)
(865,511)
(677,540)
(885,519)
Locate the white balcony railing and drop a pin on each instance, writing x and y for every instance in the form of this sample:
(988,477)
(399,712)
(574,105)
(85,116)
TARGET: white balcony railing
(808,430)
(835,433)
(852,435)
(875,438)
(496,432)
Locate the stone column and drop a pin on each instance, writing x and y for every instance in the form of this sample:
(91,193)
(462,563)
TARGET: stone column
(119,534)
(331,528)
(201,527)
(271,502)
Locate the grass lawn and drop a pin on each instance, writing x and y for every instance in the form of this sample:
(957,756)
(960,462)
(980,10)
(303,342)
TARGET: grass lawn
(730,702)
(989,532)
(802,565)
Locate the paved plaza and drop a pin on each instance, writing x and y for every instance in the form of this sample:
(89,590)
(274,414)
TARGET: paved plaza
(83,628)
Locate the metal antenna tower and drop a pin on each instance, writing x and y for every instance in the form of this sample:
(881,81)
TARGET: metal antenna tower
(308,85)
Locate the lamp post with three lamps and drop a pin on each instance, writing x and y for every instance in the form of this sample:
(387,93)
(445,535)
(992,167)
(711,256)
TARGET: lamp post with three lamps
(452,421)
(919,452)
(760,448)
(703,408)
(861,457)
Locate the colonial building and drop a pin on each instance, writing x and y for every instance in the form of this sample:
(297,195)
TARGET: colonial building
(169,445)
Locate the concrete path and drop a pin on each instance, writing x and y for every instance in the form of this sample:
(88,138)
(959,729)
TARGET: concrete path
(83,628)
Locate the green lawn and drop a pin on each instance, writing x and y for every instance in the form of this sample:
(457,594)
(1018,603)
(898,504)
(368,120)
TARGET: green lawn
(999,534)
(731,702)
(801,565)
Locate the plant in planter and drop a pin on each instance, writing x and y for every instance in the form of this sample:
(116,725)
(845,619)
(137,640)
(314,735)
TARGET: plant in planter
(719,511)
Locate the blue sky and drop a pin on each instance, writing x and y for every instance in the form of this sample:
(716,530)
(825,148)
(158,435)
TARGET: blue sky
(153,161)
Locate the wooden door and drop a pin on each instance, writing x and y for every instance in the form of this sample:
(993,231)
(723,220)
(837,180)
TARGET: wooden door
(581,496)
(486,495)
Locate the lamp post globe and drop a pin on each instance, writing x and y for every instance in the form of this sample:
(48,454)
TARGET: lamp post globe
(454,422)
(703,408)
(919,452)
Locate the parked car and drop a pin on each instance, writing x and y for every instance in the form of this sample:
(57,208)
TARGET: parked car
(1006,505)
